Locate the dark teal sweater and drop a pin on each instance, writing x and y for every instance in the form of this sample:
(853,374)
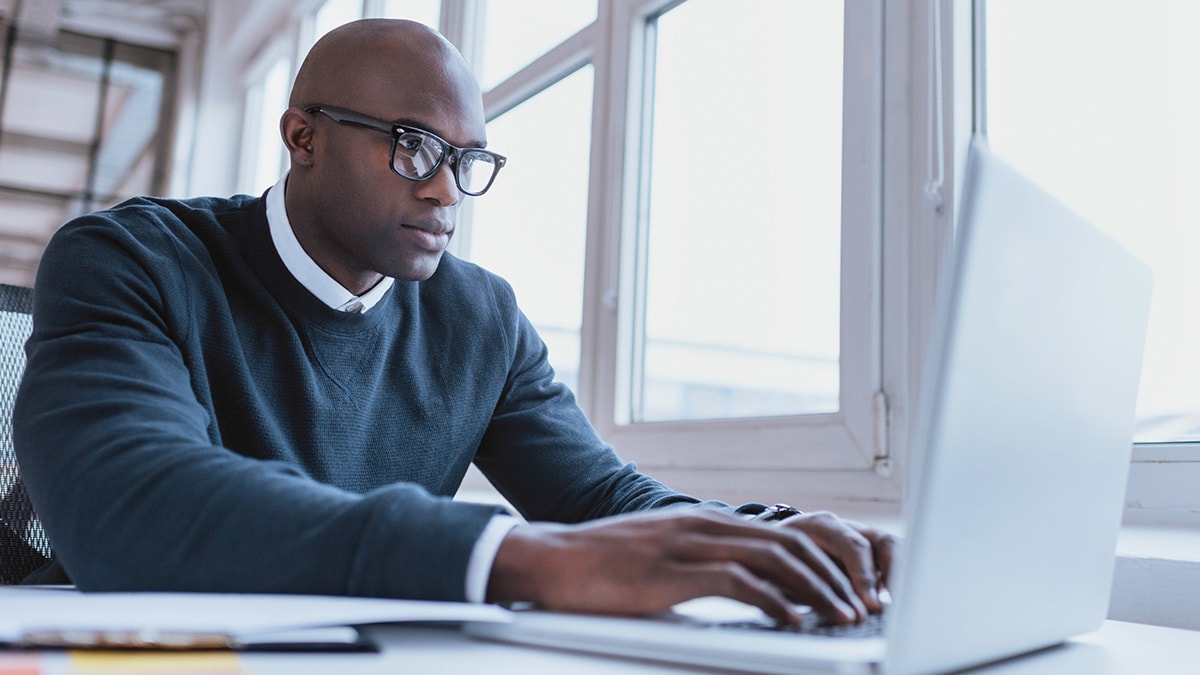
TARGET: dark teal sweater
(191,418)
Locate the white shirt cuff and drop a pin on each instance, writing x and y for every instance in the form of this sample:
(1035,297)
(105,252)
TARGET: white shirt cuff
(479,567)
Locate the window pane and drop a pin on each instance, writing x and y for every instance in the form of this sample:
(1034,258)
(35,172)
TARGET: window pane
(540,250)
(742,240)
(266,100)
(427,12)
(334,13)
(1106,121)
(518,31)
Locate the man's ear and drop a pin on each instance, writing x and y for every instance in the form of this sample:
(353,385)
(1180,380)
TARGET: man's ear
(297,131)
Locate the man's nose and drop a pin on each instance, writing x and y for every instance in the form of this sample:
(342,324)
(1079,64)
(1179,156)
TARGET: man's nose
(440,187)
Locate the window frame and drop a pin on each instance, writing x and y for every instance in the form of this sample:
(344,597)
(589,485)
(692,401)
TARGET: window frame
(860,467)
(709,458)
(844,447)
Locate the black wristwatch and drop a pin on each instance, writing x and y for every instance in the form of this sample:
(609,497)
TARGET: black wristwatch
(776,513)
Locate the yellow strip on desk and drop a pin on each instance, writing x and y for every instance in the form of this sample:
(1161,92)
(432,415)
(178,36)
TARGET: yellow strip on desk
(191,663)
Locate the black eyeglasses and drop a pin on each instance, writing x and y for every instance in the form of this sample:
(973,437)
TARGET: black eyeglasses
(418,154)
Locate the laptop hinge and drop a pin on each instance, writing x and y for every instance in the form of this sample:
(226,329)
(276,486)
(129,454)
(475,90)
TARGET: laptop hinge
(882,462)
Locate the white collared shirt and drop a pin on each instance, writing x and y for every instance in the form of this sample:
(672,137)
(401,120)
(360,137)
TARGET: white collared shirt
(307,272)
(319,283)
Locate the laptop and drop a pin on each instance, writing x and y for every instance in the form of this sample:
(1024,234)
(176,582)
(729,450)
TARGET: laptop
(1020,459)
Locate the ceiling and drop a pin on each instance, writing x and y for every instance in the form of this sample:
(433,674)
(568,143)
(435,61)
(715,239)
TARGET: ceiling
(59,156)
(154,22)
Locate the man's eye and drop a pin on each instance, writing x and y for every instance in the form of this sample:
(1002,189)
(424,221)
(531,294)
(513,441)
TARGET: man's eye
(410,143)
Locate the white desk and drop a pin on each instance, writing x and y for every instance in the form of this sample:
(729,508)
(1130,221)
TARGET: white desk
(1116,649)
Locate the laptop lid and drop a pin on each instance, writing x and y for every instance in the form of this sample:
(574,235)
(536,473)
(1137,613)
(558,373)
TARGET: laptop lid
(1022,448)
(1020,458)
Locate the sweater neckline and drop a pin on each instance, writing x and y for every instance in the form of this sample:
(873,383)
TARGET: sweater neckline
(297,299)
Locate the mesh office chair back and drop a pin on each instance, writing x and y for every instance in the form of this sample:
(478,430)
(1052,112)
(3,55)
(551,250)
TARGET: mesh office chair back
(23,543)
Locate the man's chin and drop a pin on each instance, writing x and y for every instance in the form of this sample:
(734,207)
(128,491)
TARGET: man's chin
(420,269)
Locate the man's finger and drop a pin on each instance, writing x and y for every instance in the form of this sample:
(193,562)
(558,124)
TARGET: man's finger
(852,550)
(734,581)
(883,546)
(787,560)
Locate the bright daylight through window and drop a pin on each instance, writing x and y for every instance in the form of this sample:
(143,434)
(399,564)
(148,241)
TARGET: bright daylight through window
(530,228)
(540,250)
(740,245)
(1106,120)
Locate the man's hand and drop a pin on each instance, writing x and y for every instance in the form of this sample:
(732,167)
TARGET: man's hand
(863,554)
(648,562)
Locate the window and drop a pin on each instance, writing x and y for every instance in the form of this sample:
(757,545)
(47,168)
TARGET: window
(263,157)
(739,282)
(530,228)
(425,11)
(679,223)
(518,31)
(1106,121)
(333,13)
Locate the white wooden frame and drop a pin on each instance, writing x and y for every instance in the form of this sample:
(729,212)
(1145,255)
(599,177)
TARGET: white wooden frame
(793,457)
(813,458)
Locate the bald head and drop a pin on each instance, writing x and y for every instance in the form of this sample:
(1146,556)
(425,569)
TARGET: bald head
(367,63)
(350,210)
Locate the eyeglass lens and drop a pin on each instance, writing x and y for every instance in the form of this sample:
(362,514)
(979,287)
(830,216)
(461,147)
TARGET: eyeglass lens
(418,155)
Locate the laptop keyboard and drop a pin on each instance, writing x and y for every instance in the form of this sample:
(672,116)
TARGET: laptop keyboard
(872,627)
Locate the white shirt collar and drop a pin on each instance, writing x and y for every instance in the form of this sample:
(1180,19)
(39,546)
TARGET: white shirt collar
(307,272)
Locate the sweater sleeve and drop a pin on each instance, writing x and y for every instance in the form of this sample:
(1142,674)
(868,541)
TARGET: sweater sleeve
(121,466)
(543,454)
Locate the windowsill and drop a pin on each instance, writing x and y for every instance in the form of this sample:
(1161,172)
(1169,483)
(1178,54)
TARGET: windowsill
(1161,542)
(1157,577)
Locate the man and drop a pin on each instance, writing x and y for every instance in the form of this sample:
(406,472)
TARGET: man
(281,394)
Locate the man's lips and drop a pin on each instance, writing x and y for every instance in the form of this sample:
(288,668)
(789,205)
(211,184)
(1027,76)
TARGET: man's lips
(432,237)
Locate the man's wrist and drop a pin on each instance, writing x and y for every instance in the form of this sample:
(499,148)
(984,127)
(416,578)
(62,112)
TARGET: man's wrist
(522,570)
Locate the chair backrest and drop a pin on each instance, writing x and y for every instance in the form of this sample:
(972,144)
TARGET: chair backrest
(23,543)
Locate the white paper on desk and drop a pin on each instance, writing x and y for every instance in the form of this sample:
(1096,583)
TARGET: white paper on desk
(24,610)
